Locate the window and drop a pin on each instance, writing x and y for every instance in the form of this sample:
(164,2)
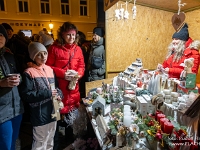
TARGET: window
(2,6)
(83,7)
(23,5)
(65,7)
(45,7)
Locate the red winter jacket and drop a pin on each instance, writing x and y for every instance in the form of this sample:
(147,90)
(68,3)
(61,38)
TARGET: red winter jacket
(174,67)
(58,58)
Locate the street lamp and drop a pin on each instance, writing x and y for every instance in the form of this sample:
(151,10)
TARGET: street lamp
(51,26)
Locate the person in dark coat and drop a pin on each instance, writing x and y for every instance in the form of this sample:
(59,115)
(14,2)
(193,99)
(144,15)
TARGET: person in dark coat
(11,106)
(38,89)
(85,45)
(19,47)
(98,51)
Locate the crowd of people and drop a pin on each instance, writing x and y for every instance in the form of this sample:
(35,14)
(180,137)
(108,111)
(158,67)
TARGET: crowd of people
(34,70)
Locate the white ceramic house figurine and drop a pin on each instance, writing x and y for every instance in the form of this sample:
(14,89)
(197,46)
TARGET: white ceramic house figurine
(98,106)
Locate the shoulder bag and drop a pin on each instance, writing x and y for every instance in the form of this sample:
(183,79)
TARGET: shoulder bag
(96,62)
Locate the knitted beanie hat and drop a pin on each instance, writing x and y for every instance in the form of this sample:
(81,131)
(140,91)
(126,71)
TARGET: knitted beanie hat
(4,32)
(34,48)
(45,39)
(99,31)
(7,26)
(182,34)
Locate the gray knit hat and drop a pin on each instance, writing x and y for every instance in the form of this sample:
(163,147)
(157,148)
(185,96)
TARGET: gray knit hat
(34,48)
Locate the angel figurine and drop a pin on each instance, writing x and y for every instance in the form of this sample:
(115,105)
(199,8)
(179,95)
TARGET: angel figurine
(117,14)
(134,12)
(188,64)
(121,13)
(126,15)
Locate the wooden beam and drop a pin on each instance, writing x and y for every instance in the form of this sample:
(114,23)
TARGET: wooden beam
(109,3)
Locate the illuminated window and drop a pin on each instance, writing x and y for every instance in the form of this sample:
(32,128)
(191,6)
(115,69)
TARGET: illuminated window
(23,5)
(2,5)
(65,7)
(45,7)
(83,7)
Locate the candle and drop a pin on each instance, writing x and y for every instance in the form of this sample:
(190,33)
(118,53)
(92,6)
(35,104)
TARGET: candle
(127,107)
(158,112)
(159,116)
(127,121)
(127,113)
(168,127)
(162,121)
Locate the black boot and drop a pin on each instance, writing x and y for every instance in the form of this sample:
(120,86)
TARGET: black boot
(69,136)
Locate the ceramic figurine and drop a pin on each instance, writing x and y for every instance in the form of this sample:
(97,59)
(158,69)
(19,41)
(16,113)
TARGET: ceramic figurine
(188,64)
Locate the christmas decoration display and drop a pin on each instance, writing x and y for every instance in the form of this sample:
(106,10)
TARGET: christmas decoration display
(135,118)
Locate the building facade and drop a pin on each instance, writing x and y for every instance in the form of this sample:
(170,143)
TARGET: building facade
(34,15)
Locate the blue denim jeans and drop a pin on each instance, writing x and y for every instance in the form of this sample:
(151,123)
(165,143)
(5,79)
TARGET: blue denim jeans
(9,132)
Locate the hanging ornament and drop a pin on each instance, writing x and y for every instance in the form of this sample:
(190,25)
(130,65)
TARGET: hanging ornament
(134,10)
(117,13)
(126,14)
(178,18)
(121,12)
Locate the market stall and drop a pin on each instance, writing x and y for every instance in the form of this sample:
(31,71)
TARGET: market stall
(143,109)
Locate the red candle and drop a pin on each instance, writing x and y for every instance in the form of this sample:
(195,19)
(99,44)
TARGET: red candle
(159,116)
(162,121)
(168,127)
(158,112)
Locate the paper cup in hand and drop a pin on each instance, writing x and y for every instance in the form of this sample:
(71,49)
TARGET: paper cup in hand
(13,75)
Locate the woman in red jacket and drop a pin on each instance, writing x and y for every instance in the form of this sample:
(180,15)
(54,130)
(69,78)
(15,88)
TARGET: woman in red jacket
(182,47)
(67,61)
